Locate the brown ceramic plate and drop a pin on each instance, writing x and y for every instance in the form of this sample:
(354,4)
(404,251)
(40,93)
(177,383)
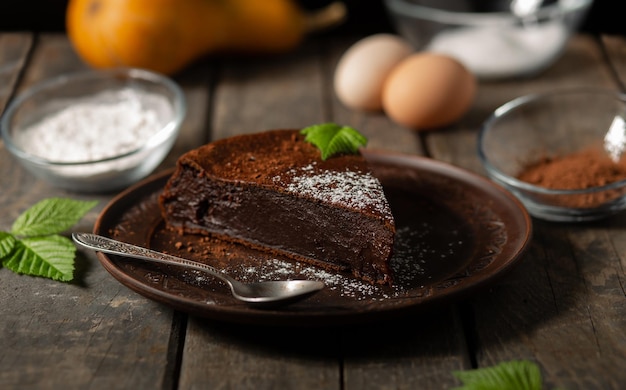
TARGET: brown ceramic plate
(456,231)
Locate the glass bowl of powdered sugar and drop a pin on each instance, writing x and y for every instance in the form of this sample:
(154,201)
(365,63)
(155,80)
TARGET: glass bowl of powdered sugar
(95,131)
(494,39)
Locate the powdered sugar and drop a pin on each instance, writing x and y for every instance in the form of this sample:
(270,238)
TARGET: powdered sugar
(348,188)
(346,286)
(417,254)
(93,128)
(504,51)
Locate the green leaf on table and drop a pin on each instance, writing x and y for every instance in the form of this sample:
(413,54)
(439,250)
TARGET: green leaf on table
(50,216)
(7,243)
(48,256)
(33,247)
(333,139)
(512,375)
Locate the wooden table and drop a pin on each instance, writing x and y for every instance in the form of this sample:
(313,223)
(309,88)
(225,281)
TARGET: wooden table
(563,307)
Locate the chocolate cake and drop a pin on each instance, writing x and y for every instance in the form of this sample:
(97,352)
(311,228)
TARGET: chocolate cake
(272,191)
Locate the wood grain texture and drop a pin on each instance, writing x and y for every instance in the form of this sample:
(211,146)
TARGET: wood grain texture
(14,49)
(417,352)
(226,356)
(563,307)
(195,130)
(275,92)
(91,333)
(251,96)
(246,357)
(616,53)
(406,357)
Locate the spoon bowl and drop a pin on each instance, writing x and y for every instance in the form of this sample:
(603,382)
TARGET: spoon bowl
(260,294)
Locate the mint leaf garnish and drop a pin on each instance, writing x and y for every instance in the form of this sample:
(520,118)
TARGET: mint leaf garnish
(511,375)
(333,139)
(33,247)
(50,216)
(48,256)
(7,243)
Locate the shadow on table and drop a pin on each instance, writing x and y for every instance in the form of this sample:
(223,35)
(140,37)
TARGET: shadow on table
(434,331)
(544,296)
(544,288)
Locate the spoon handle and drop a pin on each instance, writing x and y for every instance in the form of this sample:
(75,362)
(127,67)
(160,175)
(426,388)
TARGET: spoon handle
(114,247)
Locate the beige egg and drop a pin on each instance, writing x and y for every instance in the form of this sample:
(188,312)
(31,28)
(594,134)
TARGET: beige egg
(361,72)
(428,90)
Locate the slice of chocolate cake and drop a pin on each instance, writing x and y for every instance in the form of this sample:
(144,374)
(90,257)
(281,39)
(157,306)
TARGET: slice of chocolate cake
(272,191)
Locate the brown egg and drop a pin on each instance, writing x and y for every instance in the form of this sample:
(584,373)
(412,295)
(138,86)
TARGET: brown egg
(363,68)
(428,90)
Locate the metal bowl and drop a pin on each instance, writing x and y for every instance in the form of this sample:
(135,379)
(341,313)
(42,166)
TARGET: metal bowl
(491,38)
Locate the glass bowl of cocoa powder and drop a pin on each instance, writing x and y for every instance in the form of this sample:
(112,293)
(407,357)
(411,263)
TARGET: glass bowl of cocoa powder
(560,152)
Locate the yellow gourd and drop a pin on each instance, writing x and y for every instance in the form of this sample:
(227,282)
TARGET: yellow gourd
(167,35)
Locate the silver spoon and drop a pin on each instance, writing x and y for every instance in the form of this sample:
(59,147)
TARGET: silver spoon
(268,293)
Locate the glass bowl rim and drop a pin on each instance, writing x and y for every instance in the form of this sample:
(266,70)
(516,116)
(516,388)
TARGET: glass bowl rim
(522,101)
(179,107)
(406,8)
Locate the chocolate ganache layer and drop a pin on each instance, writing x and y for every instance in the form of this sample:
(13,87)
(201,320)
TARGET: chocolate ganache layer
(272,191)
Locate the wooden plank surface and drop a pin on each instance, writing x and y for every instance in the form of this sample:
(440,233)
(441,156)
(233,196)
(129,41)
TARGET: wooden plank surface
(14,49)
(91,333)
(563,307)
(405,357)
(263,94)
(251,96)
(268,92)
(615,46)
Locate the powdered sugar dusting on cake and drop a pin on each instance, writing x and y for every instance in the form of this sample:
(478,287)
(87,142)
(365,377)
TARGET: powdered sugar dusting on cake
(346,286)
(346,188)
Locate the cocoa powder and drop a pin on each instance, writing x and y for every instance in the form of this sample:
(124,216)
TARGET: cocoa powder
(579,170)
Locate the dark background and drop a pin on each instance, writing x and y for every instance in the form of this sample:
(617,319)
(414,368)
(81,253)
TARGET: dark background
(366,16)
